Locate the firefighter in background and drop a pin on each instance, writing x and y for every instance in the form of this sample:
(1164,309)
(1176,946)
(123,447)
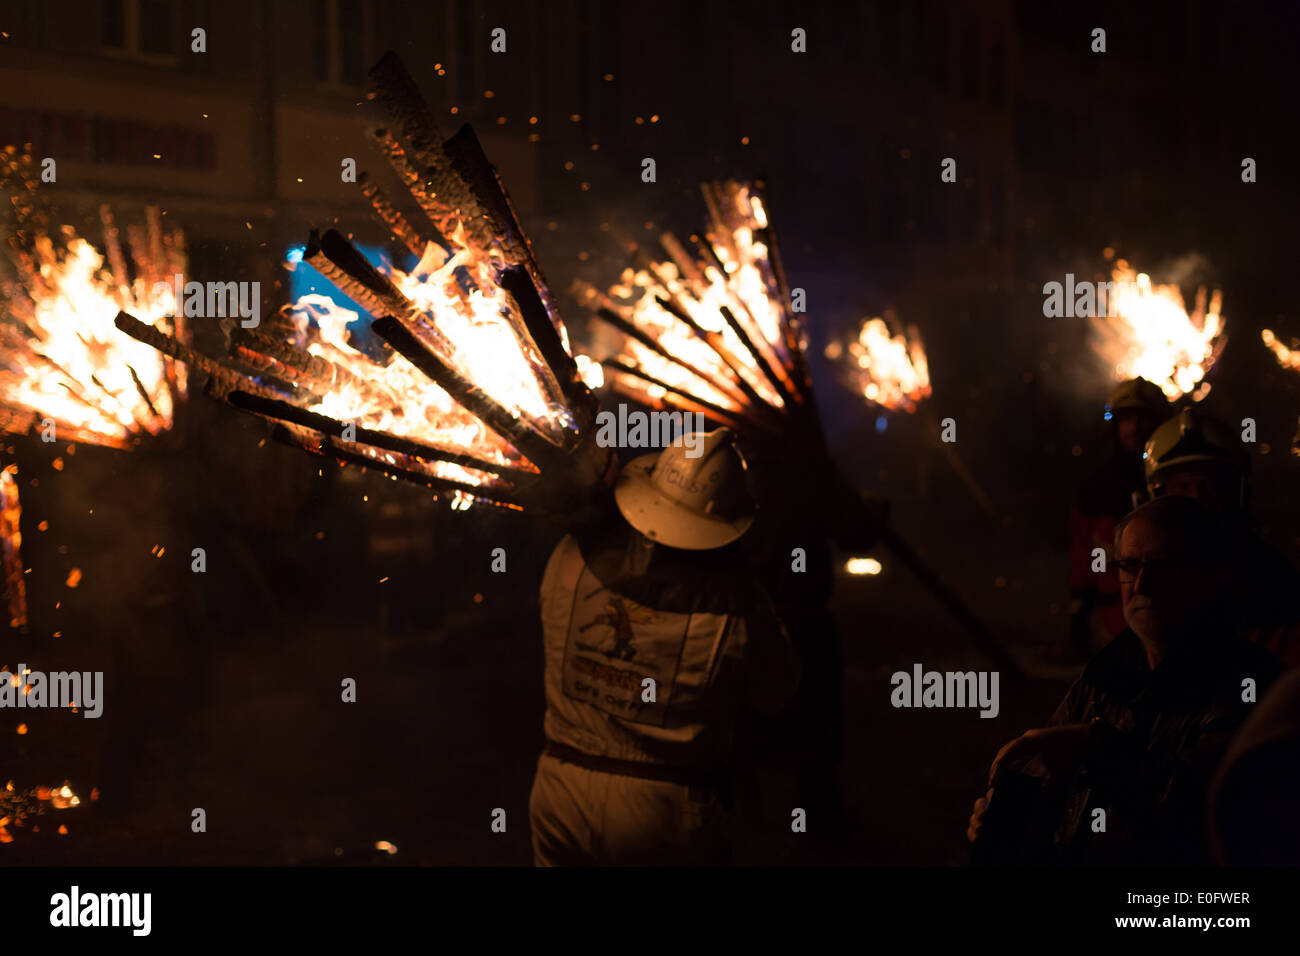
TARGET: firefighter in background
(659,645)
(1197,457)
(1134,409)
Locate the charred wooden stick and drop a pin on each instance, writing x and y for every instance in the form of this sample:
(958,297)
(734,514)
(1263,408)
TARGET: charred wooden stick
(760,360)
(537,320)
(328,447)
(396,93)
(153,232)
(719,344)
(397,224)
(722,226)
(793,325)
(139,387)
(419,181)
(472,165)
(284,411)
(683,398)
(227,377)
(344,265)
(688,267)
(616,321)
(286,377)
(442,188)
(116,263)
(534,447)
(317,372)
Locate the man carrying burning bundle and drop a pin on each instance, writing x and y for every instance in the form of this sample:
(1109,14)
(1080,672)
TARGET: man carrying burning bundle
(658,642)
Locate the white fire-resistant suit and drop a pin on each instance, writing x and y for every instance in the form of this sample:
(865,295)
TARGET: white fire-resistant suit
(635,693)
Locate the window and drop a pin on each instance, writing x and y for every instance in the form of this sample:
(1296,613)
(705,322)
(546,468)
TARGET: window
(341,42)
(139,29)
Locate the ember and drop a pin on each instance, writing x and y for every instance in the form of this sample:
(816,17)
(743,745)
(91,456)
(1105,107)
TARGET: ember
(19,807)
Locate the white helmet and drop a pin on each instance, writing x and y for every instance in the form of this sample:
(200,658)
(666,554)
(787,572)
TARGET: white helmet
(694,503)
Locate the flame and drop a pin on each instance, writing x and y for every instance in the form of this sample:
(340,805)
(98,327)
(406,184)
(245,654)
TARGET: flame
(889,370)
(396,398)
(11,539)
(1287,358)
(477,333)
(63,359)
(591,372)
(1149,334)
(735,271)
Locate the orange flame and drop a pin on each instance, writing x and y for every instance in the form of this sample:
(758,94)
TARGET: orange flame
(478,333)
(735,271)
(1149,334)
(62,358)
(1287,358)
(889,370)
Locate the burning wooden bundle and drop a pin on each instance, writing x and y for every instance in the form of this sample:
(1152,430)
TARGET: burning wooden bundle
(710,328)
(888,370)
(1146,332)
(11,539)
(473,391)
(1287,358)
(61,359)
(891,371)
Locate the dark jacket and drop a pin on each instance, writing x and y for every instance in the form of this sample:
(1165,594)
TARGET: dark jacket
(1161,733)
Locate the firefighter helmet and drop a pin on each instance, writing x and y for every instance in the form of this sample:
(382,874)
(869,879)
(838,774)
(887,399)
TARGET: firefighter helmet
(692,495)
(1137,394)
(1189,438)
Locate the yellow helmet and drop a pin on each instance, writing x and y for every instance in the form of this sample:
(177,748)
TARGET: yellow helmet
(1139,395)
(1191,437)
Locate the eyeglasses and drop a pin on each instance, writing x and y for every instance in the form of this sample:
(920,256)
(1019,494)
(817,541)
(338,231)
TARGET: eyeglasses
(1129,568)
